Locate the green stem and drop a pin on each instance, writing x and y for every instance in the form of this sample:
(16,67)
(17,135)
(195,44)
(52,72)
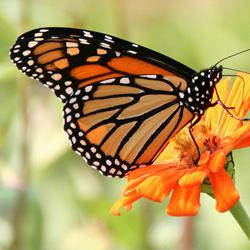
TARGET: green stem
(241,216)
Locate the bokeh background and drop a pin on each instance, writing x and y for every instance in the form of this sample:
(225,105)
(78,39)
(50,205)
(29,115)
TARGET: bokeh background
(49,198)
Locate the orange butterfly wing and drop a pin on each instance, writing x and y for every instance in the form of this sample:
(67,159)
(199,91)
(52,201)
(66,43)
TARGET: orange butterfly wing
(122,102)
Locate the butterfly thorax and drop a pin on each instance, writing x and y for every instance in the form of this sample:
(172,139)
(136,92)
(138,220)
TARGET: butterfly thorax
(198,95)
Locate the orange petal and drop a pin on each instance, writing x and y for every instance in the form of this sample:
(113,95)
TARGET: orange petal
(213,115)
(243,142)
(193,178)
(152,189)
(217,161)
(236,100)
(246,86)
(185,201)
(149,170)
(125,202)
(132,184)
(158,187)
(224,190)
(239,139)
(115,209)
(242,136)
(204,158)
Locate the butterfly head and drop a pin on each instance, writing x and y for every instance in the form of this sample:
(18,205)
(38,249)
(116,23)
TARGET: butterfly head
(212,74)
(208,77)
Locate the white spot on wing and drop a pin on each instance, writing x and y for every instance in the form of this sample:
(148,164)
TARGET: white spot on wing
(57,87)
(181,95)
(108,162)
(105,45)
(118,54)
(78,92)
(56,76)
(82,142)
(80,149)
(30,62)
(124,167)
(31,44)
(83,41)
(67,83)
(72,100)
(87,34)
(69,131)
(26,52)
(150,76)
(108,80)
(85,97)
(108,37)
(125,80)
(98,155)
(103,168)
(132,52)
(72,125)
(112,170)
(69,90)
(39,70)
(76,106)
(68,118)
(73,139)
(39,39)
(49,83)
(71,44)
(88,88)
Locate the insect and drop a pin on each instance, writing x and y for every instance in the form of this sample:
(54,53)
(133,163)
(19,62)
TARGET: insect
(122,102)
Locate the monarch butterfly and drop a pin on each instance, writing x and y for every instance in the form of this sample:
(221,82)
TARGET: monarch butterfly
(122,102)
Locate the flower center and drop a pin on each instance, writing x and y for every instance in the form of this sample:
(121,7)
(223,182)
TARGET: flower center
(184,144)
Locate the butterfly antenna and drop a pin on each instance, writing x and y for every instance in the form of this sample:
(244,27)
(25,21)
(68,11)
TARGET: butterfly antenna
(235,54)
(237,70)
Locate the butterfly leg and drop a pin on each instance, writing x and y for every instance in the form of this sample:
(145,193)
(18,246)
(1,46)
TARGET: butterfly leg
(192,136)
(217,102)
(227,108)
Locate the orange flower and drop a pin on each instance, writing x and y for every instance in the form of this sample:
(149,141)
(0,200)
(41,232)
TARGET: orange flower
(217,134)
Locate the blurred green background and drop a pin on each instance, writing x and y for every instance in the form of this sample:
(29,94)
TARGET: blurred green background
(49,198)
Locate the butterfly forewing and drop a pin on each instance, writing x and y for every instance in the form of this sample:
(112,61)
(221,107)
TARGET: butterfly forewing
(66,59)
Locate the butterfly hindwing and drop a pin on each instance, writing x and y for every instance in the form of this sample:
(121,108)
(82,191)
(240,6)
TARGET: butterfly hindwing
(66,59)
(121,123)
